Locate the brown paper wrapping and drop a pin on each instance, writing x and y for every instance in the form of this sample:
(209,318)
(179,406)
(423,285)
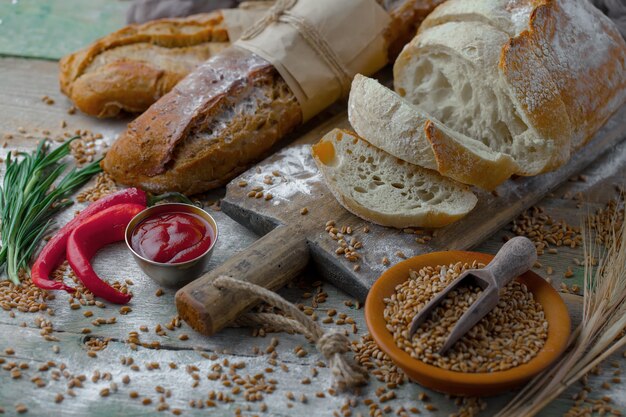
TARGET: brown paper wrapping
(239,19)
(352,28)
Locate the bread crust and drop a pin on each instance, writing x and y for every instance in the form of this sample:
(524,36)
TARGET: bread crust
(585,57)
(565,34)
(534,91)
(457,161)
(131,68)
(429,220)
(238,97)
(563,66)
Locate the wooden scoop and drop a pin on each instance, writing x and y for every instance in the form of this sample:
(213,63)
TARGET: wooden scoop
(514,258)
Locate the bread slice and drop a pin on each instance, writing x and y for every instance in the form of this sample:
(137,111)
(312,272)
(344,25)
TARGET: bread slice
(383,189)
(394,125)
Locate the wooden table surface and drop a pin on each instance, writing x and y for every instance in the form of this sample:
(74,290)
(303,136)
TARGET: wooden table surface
(24,116)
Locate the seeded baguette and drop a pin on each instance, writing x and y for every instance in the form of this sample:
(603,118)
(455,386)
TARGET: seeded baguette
(131,68)
(246,106)
(394,125)
(224,116)
(383,189)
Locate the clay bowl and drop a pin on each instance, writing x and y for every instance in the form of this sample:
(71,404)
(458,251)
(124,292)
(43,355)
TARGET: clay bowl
(461,383)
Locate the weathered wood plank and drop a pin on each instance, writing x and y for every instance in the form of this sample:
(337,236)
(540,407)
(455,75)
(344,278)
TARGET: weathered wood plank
(31,350)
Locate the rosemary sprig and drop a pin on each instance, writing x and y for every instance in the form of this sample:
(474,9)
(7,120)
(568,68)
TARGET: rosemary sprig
(29,199)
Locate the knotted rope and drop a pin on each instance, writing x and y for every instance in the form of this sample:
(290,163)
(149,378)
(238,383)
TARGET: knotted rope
(279,12)
(333,346)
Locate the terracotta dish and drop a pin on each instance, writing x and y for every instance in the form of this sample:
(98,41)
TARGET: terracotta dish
(461,383)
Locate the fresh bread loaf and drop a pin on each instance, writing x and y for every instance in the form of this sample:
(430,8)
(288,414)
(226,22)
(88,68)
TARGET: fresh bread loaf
(534,79)
(383,189)
(394,125)
(222,117)
(133,67)
(489,88)
(208,129)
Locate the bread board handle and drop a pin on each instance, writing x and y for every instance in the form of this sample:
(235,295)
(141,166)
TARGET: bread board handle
(270,262)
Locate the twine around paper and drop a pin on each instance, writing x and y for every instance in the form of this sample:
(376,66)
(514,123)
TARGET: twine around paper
(280,12)
(333,345)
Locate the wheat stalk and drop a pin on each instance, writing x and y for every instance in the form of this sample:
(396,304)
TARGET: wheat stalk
(601,332)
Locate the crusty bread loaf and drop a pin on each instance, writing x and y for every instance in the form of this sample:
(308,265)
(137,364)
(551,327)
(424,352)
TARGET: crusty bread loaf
(133,67)
(245,106)
(383,189)
(224,116)
(394,125)
(533,78)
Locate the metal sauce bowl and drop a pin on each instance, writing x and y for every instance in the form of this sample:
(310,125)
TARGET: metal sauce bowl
(173,275)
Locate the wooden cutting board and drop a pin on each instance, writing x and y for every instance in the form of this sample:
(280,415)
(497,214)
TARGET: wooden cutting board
(292,239)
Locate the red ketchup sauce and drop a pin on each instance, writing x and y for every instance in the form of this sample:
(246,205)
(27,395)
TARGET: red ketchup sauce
(171,237)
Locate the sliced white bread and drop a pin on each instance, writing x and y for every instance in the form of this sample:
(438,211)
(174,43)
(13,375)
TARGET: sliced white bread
(393,124)
(533,79)
(383,189)
(579,47)
(455,78)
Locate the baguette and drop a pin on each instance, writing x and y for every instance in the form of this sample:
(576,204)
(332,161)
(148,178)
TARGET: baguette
(531,79)
(394,125)
(224,116)
(241,107)
(133,67)
(383,189)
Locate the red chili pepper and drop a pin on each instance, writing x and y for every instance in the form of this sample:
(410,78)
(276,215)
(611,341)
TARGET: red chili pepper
(54,252)
(99,230)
